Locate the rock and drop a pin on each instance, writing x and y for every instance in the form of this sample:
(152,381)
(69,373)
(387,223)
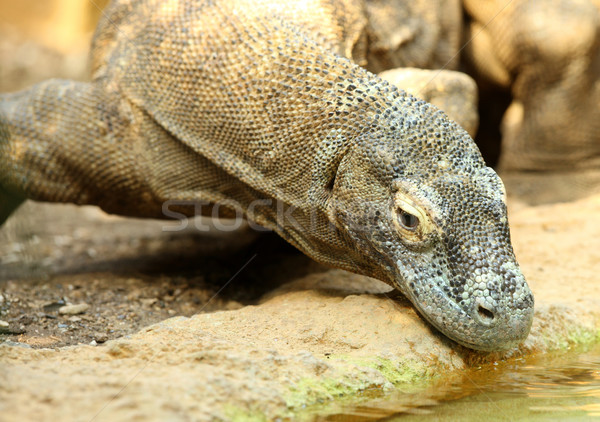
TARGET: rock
(53,306)
(9,343)
(5,328)
(79,308)
(26,319)
(148,303)
(100,337)
(325,335)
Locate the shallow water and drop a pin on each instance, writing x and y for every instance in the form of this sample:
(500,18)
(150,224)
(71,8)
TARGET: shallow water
(561,388)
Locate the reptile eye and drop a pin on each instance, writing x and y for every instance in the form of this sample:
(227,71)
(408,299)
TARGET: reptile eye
(407,220)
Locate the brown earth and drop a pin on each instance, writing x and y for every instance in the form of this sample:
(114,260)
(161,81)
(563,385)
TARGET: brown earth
(129,272)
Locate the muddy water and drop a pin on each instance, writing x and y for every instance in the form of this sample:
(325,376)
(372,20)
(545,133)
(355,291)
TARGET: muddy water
(565,387)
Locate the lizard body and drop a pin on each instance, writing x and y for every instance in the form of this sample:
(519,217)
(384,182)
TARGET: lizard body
(255,109)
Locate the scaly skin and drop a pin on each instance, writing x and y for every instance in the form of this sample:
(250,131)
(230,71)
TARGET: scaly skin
(253,108)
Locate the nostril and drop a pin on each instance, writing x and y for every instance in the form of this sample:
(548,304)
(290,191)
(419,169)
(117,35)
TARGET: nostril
(485,314)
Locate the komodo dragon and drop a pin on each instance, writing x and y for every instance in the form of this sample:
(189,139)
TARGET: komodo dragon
(255,107)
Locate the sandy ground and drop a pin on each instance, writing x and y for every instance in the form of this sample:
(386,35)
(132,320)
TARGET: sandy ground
(321,335)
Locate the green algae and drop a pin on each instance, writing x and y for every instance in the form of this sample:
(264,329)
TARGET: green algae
(583,336)
(571,337)
(309,391)
(237,413)
(357,376)
(397,373)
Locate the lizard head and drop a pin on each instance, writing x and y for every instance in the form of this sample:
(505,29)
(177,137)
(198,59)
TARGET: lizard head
(432,223)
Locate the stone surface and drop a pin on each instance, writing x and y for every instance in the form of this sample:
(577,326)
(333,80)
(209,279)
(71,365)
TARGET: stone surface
(75,309)
(319,337)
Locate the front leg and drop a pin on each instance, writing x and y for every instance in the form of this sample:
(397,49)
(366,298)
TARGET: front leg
(64,141)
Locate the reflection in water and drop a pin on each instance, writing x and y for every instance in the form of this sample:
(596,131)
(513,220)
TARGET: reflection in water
(557,388)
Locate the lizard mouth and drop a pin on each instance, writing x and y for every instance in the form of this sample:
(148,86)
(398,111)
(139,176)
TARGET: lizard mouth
(481,327)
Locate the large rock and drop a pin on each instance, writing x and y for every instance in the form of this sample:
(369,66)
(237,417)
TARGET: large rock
(316,338)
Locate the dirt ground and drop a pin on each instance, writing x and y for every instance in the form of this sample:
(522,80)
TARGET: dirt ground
(130,273)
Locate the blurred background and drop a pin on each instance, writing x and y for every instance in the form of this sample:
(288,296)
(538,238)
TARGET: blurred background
(45,39)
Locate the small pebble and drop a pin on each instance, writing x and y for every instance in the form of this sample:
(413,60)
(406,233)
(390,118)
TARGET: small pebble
(100,337)
(16,344)
(73,309)
(53,306)
(26,319)
(1,299)
(148,302)
(6,329)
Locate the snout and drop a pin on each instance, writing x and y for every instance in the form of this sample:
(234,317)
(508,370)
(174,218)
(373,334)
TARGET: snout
(500,327)
(483,324)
